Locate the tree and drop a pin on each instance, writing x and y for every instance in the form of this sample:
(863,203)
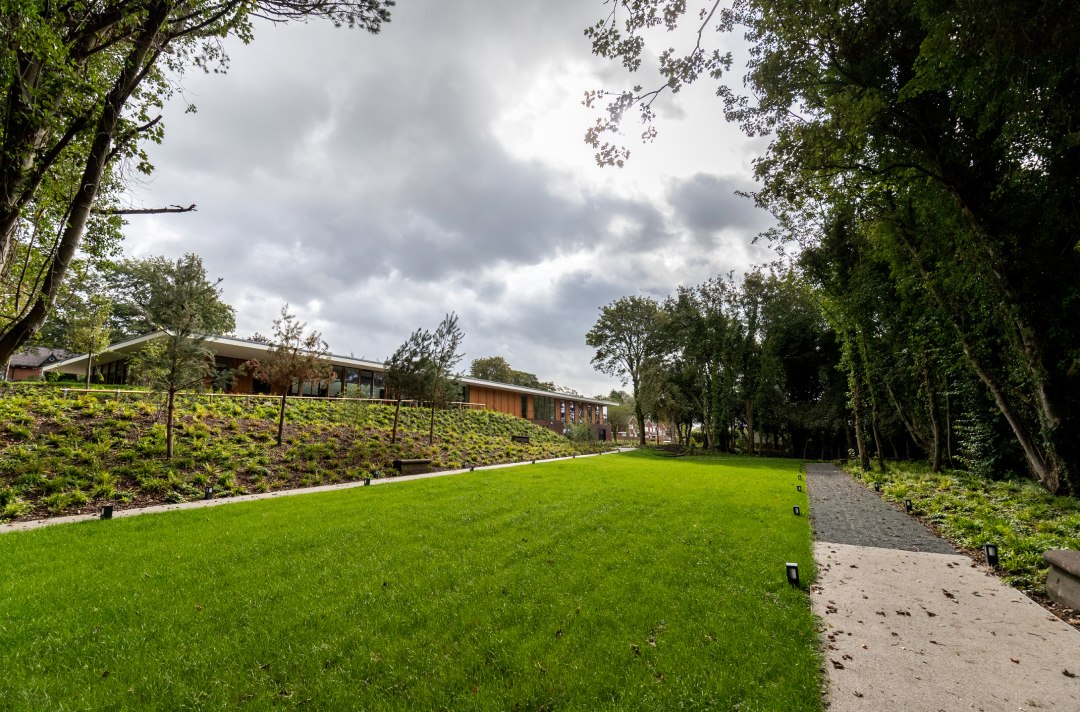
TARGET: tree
(619,415)
(947,132)
(82,84)
(444,355)
(626,339)
(89,330)
(294,358)
(178,302)
(131,284)
(407,372)
(495,368)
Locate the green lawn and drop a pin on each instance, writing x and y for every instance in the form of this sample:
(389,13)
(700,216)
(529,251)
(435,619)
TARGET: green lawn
(620,582)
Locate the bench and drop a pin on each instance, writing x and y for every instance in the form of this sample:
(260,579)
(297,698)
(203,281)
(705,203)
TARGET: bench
(523,439)
(417,466)
(1063,581)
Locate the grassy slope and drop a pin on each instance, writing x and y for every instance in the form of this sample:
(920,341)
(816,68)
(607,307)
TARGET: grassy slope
(62,456)
(622,582)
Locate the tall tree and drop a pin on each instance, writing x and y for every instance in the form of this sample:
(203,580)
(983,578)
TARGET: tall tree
(82,87)
(89,330)
(131,285)
(626,340)
(407,373)
(182,297)
(294,357)
(444,355)
(949,128)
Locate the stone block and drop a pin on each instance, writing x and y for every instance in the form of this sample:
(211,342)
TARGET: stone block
(1063,581)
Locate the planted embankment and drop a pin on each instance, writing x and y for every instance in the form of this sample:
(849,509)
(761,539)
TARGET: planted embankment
(70,455)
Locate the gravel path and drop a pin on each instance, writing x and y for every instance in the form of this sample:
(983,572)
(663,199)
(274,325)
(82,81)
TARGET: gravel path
(844,512)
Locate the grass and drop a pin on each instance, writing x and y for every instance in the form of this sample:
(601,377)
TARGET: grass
(68,455)
(1017,514)
(614,583)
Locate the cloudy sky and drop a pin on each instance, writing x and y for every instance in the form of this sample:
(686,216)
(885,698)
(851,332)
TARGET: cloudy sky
(376,183)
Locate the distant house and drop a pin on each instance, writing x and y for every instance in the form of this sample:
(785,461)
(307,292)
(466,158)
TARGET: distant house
(29,363)
(359,378)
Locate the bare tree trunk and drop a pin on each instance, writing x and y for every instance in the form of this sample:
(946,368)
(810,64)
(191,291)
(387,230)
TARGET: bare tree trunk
(89,369)
(397,411)
(281,418)
(860,444)
(935,427)
(169,409)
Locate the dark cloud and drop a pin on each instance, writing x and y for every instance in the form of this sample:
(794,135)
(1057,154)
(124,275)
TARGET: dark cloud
(361,179)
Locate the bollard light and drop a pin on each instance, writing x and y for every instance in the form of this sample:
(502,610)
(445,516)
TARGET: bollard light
(208,493)
(991,551)
(800,476)
(908,506)
(106,512)
(877,486)
(367,481)
(797,510)
(798,487)
(793,573)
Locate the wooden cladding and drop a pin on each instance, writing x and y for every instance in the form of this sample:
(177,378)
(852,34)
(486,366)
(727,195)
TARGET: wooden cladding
(552,407)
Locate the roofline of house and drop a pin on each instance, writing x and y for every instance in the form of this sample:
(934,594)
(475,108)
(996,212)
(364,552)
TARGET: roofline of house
(126,347)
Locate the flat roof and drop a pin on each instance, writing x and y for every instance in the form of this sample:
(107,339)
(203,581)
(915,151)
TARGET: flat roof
(232,347)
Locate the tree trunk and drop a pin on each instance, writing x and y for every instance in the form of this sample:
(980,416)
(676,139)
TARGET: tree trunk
(397,411)
(874,431)
(144,45)
(860,444)
(639,416)
(169,408)
(89,369)
(935,427)
(750,450)
(281,418)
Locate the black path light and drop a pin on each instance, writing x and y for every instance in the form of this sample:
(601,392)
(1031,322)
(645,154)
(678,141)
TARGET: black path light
(367,481)
(106,512)
(908,507)
(792,573)
(991,551)
(877,486)
(798,487)
(208,493)
(797,510)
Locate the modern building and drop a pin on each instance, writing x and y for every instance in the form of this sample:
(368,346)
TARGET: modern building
(359,378)
(28,363)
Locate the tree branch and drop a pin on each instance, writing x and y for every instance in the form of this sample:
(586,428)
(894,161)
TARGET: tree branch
(144,211)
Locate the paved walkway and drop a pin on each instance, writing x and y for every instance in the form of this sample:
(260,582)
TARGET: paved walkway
(909,624)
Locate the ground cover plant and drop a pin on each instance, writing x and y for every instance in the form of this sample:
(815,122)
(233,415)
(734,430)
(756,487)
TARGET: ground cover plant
(65,455)
(621,582)
(1017,514)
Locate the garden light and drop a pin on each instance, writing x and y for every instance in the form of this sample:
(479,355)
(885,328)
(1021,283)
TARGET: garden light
(797,510)
(798,487)
(908,506)
(367,481)
(793,573)
(877,486)
(208,493)
(106,512)
(991,551)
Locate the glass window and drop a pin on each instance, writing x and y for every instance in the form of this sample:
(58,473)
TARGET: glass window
(352,382)
(562,410)
(379,390)
(338,381)
(573,412)
(525,407)
(365,384)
